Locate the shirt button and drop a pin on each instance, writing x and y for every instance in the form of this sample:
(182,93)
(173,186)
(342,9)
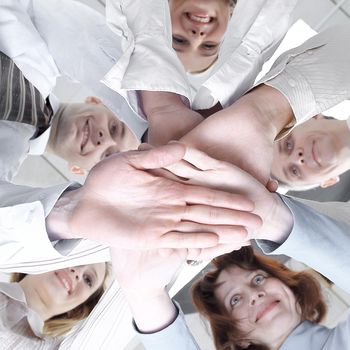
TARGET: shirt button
(291,82)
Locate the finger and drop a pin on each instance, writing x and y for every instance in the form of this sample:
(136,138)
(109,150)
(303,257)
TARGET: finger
(272,185)
(176,240)
(145,147)
(215,198)
(200,160)
(227,234)
(157,157)
(212,252)
(184,170)
(220,216)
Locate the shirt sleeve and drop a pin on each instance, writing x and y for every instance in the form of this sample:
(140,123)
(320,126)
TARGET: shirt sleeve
(320,238)
(14,144)
(20,40)
(176,336)
(313,76)
(253,35)
(145,29)
(23,236)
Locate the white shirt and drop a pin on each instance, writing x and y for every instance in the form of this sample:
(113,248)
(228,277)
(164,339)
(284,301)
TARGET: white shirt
(254,31)
(20,327)
(22,43)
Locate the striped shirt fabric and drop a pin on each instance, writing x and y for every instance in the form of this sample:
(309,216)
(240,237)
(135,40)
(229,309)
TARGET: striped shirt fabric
(20,101)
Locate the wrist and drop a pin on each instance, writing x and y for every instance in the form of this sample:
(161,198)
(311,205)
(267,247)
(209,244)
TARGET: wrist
(58,220)
(278,223)
(152,312)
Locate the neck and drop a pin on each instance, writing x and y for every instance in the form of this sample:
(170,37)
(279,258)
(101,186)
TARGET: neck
(34,300)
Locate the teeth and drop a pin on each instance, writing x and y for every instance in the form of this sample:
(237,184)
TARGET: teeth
(200,19)
(66,285)
(85,135)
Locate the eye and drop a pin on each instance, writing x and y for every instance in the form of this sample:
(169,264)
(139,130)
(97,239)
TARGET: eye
(87,280)
(295,171)
(113,129)
(209,46)
(179,40)
(235,300)
(259,279)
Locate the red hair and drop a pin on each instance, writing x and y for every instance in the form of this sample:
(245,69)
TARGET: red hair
(226,332)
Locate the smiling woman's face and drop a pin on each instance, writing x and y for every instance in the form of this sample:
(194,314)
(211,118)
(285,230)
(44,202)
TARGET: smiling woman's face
(264,308)
(63,290)
(198,27)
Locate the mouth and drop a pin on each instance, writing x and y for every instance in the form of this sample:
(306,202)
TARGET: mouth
(199,18)
(66,282)
(266,309)
(85,131)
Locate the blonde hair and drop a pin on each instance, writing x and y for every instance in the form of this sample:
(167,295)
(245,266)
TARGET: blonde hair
(60,325)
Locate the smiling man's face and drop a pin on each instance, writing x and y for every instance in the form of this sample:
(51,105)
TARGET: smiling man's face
(85,133)
(310,155)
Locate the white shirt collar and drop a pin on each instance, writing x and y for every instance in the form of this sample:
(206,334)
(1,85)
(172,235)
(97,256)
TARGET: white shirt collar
(15,292)
(38,145)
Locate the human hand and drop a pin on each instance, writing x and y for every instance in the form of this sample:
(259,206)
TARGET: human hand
(200,169)
(122,204)
(143,276)
(149,271)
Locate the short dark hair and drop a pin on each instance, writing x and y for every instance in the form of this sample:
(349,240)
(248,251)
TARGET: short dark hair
(226,332)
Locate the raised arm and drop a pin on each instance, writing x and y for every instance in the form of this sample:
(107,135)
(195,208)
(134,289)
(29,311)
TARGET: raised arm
(143,277)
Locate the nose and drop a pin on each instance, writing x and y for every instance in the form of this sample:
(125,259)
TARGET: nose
(256,295)
(300,156)
(76,273)
(102,137)
(198,31)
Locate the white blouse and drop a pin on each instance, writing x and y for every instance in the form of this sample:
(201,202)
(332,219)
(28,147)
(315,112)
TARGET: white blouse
(21,327)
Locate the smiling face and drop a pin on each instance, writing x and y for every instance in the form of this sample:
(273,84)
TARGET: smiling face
(198,27)
(85,133)
(63,290)
(313,153)
(264,308)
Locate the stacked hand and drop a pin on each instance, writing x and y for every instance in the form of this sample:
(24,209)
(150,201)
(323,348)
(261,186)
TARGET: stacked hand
(122,204)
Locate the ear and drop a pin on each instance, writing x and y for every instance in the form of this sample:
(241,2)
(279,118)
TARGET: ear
(330,182)
(93,100)
(76,170)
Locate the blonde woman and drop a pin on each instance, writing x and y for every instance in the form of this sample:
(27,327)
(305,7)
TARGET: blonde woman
(36,311)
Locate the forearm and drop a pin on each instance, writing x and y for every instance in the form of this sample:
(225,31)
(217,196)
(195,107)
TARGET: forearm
(264,110)
(168,116)
(59,218)
(151,313)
